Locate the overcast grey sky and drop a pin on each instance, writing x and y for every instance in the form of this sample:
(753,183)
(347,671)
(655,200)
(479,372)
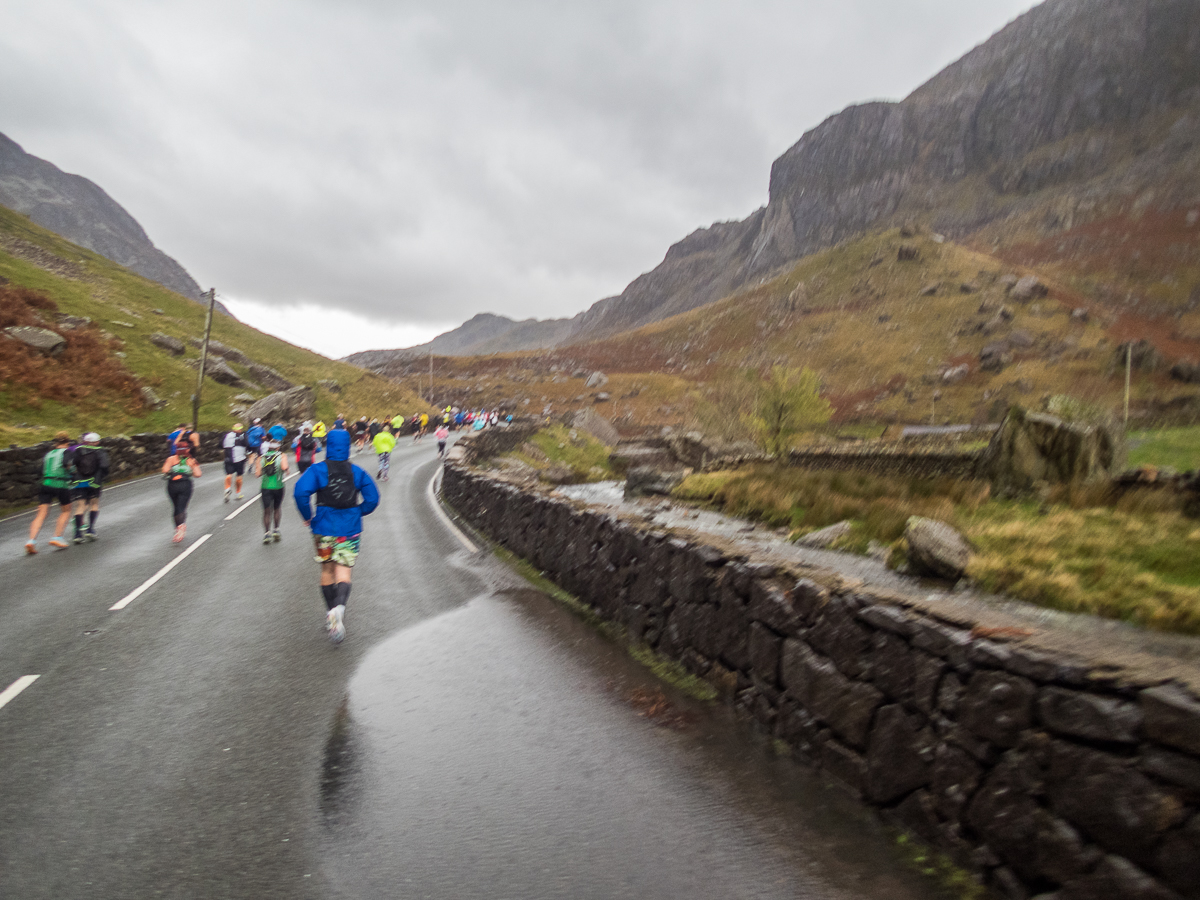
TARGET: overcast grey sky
(361,173)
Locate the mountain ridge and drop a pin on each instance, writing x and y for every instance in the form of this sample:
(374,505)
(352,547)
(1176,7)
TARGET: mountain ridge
(1074,111)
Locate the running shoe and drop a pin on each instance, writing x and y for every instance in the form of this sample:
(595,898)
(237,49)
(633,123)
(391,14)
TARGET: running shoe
(90,534)
(240,495)
(78,537)
(337,627)
(180,531)
(58,543)
(266,537)
(228,494)
(30,548)
(276,536)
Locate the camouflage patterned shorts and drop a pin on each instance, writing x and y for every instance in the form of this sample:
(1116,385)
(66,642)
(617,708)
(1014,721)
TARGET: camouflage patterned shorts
(340,550)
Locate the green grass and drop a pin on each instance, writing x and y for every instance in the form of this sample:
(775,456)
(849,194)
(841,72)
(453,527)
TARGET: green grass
(1136,559)
(1175,448)
(109,295)
(952,880)
(584,455)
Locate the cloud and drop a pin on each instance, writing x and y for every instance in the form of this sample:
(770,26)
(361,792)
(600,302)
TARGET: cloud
(420,162)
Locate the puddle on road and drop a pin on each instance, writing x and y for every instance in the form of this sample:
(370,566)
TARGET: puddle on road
(505,750)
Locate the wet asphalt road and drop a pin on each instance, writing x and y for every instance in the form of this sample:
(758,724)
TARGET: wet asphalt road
(468,739)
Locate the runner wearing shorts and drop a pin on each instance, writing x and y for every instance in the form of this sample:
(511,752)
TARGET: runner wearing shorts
(272,468)
(89,467)
(55,486)
(344,494)
(236,451)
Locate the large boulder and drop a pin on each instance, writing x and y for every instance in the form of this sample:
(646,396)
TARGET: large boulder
(934,548)
(219,371)
(597,426)
(41,339)
(291,407)
(216,348)
(1034,447)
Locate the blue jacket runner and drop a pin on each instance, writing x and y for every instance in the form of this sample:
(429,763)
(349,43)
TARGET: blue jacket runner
(328,521)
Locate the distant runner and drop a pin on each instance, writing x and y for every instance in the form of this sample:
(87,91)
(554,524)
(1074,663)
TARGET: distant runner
(89,465)
(56,482)
(384,443)
(442,434)
(272,468)
(236,451)
(306,448)
(254,439)
(179,470)
(337,523)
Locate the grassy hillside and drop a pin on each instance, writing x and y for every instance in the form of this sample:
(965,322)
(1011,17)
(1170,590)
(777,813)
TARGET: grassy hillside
(880,332)
(39,396)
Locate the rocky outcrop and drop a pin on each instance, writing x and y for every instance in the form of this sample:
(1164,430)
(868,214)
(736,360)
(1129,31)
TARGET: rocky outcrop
(1031,448)
(172,345)
(290,407)
(597,426)
(265,375)
(82,212)
(218,370)
(641,481)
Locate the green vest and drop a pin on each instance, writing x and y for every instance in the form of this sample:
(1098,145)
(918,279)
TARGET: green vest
(273,481)
(54,470)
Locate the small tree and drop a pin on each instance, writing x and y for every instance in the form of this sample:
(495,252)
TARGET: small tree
(786,402)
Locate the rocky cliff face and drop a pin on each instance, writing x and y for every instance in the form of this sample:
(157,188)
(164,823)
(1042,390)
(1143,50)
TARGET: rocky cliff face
(1076,109)
(83,213)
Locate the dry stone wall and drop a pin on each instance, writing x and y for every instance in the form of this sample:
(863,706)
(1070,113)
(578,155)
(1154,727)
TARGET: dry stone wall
(141,454)
(1039,773)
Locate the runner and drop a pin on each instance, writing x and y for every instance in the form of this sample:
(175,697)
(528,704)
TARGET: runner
(278,434)
(179,470)
(272,468)
(397,424)
(254,439)
(235,459)
(337,523)
(384,444)
(183,432)
(359,432)
(424,423)
(373,429)
(442,435)
(306,448)
(55,486)
(89,465)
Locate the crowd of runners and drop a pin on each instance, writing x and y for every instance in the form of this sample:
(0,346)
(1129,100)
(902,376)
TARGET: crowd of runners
(332,495)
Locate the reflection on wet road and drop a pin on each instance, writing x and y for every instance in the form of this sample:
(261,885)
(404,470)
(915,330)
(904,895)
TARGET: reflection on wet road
(503,750)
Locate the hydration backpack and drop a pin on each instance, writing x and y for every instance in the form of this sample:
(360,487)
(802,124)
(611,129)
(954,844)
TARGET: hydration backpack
(86,462)
(270,465)
(340,492)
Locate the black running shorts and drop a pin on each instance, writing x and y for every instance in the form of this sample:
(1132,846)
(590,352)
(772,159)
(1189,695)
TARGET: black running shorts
(235,468)
(47,495)
(90,492)
(272,498)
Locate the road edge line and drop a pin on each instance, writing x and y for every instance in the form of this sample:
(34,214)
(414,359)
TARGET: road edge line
(449,523)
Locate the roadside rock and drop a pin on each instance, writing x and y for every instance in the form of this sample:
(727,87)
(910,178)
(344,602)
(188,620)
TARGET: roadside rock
(643,480)
(290,407)
(825,536)
(935,548)
(41,339)
(174,346)
(597,426)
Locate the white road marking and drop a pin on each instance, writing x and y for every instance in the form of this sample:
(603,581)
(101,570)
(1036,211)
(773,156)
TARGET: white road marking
(241,509)
(16,687)
(437,508)
(150,582)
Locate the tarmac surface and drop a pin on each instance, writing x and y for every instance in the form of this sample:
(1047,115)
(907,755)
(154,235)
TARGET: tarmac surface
(468,739)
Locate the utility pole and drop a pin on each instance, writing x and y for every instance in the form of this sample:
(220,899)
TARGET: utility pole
(212,299)
(1128,367)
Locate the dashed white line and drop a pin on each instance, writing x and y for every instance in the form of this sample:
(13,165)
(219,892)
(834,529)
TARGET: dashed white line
(437,508)
(16,687)
(150,582)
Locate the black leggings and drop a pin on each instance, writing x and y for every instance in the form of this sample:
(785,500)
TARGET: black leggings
(180,493)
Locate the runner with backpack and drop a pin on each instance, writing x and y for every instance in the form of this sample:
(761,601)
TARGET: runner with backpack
(56,482)
(306,448)
(88,464)
(337,523)
(272,468)
(254,439)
